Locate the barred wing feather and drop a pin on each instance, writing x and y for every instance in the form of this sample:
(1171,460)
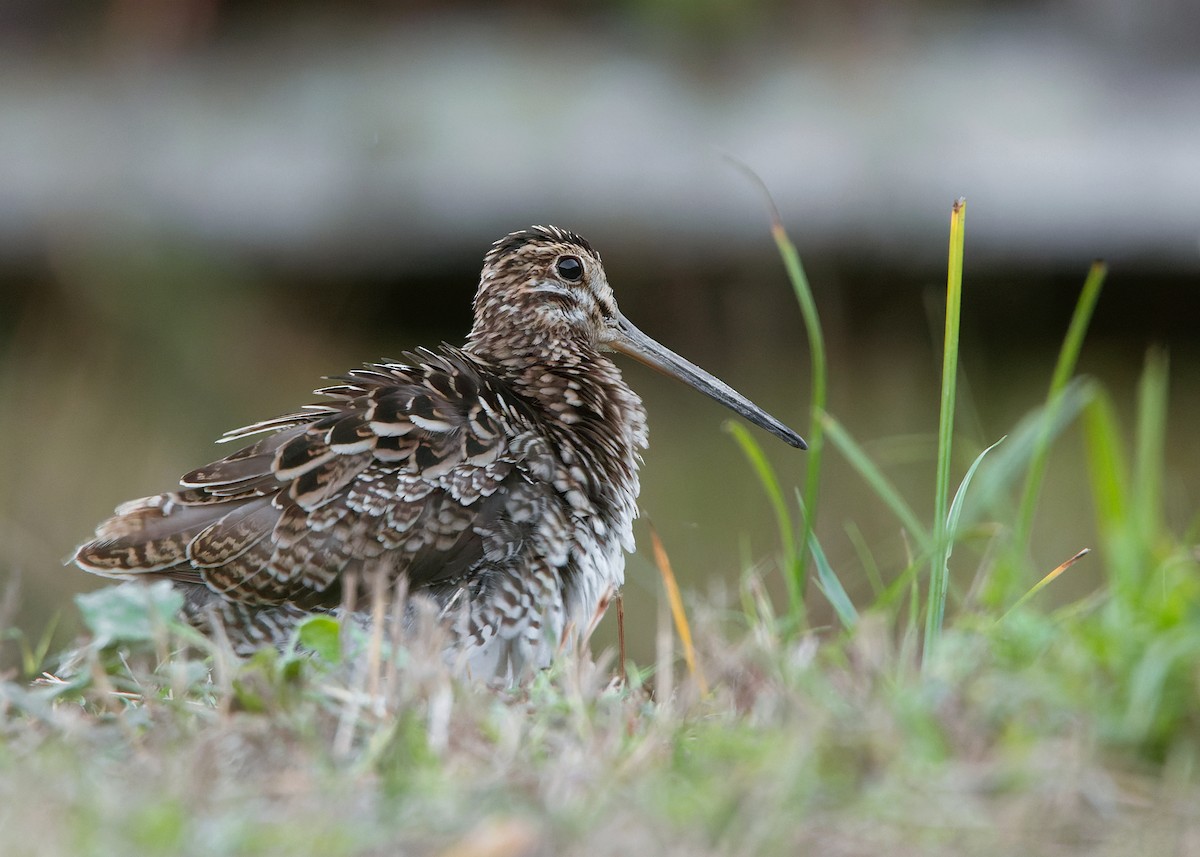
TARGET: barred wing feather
(405,468)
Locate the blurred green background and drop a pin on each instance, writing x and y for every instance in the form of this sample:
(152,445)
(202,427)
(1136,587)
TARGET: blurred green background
(206,206)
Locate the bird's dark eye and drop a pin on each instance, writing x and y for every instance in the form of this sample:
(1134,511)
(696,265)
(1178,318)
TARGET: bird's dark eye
(569,268)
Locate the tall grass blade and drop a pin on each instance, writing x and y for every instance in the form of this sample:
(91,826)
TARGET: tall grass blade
(677,612)
(793,572)
(1151,444)
(940,570)
(1008,463)
(819,378)
(816,345)
(1068,358)
(830,584)
(1108,475)
(879,484)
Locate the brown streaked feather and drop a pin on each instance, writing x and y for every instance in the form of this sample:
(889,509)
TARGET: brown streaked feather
(301,418)
(144,536)
(326,483)
(245,578)
(250,462)
(233,534)
(398,468)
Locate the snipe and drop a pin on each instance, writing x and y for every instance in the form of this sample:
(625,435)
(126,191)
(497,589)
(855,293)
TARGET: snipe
(499,478)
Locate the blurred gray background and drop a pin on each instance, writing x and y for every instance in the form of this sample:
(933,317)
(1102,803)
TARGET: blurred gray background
(206,206)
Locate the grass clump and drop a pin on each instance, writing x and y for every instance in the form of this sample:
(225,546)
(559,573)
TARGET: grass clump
(846,747)
(939,718)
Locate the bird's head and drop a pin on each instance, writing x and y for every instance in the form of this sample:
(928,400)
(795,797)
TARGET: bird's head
(543,292)
(543,285)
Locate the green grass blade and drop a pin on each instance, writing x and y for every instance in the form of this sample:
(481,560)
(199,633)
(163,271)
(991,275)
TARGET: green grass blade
(1151,442)
(940,570)
(865,558)
(1043,583)
(956,506)
(904,584)
(793,570)
(1108,475)
(819,372)
(1107,466)
(816,345)
(830,584)
(1128,502)
(879,484)
(1009,462)
(1068,358)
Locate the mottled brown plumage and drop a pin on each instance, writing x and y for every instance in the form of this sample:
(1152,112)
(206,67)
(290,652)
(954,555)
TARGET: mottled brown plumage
(500,479)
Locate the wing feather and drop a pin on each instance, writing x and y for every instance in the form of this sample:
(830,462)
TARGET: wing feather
(410,463)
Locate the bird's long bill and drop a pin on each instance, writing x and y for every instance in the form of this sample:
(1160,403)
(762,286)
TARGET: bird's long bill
(629,340)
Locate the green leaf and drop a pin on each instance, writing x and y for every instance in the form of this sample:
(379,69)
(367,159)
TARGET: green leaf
(322,634)
(130,613)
